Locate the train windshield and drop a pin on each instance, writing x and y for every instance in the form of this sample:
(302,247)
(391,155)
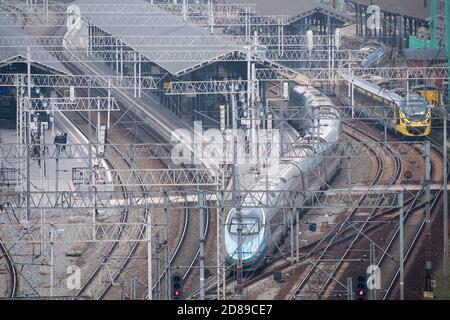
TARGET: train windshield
(249,226)
(416,108)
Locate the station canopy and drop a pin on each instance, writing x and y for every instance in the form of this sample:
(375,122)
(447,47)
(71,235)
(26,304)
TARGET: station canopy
(12,54)
(297,9)
(411,8)
(219,48)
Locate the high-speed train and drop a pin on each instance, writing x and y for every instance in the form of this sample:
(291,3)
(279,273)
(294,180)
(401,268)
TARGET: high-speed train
(263,229)
(409,114)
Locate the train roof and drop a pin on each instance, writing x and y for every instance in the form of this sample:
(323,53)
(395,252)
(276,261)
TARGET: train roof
(424,87)
(312,93)
(373,88)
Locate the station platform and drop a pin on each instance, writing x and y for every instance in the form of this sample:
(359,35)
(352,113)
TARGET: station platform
(43,173)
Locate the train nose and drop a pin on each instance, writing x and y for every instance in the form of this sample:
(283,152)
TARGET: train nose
(251,227)
(250,249)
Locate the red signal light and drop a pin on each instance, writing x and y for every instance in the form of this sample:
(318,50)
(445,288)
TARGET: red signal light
(360,293)
(177,286)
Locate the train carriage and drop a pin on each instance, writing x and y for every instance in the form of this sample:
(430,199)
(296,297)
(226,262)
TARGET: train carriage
(430,93)
(408,114)
(263,229)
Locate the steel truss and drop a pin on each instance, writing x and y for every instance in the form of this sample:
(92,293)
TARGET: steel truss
(115,8)
(110,200)
(132,16)
(403,73)
(186,177)
(225,86)
(85,200)
(308,76)
(305,76)
(143,15)
(78,81)
(155,21)
(170,41)
(72,232)
(164,151)
(178,54)
(23,84)
(136,19)
(71,104)
(345,113)
(321,74)
(324,74)
(317,55)
(207,87)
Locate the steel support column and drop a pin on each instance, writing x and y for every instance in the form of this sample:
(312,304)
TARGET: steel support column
(402,253)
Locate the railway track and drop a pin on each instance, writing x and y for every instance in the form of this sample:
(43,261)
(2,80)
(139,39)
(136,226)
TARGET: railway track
(9,263)
(344,234)
(177,259)
(11,267)
(313,283)
(182,249)
(130,253)
(413,217)
(177,255)
(89,283)
(309,250)
(181,255)
(415,236)
(342,229)
(107,256)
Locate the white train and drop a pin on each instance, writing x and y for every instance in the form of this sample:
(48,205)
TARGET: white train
(263,229)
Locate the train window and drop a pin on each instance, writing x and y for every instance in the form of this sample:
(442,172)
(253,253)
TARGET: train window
(415,107)
(249,226)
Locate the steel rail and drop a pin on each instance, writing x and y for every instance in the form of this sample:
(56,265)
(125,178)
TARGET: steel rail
(415,238)
(398,167)
(181,239)
(313,268)
(12,270)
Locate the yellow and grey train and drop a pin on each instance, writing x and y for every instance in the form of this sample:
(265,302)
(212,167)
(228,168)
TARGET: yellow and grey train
(431,93)
(409,115)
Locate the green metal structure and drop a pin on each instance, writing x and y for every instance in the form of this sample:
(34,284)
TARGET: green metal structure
(417,43)
(433,23)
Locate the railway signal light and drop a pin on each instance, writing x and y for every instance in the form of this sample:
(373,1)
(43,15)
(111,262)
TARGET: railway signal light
(176,287)
(361,288)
